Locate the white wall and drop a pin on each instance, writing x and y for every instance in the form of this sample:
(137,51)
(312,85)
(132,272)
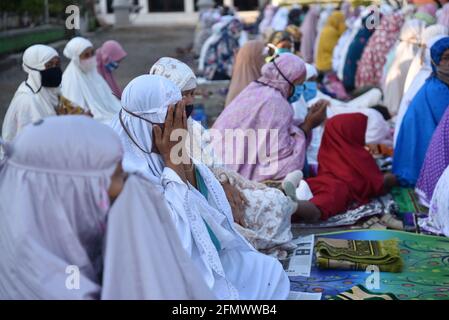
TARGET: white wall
(144,18)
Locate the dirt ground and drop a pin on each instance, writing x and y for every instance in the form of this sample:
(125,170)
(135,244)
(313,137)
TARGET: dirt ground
(144,46)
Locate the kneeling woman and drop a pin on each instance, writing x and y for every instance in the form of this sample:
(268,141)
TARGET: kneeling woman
(199,208)
(347,176)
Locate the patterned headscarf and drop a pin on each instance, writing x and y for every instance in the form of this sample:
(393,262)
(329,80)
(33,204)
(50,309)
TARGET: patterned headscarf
(177,71)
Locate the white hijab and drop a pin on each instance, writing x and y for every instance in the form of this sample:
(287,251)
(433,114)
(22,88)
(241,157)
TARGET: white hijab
(199,143)
(53,208)
(423,52)
(418,81)
(87,89)
(31,101)
(149,96)
(144,258)
(176,71)
(393,88)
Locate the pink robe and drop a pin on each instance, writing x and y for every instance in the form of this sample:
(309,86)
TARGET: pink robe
(110,51)
(265,107)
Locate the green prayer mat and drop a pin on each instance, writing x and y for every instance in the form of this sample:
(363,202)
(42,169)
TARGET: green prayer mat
(407,200)
(344,254)
(361,293)
(425,274)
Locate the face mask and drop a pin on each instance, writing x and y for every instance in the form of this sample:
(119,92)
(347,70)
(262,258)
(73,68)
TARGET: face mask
(310,90)
(51,78)
(280,51)
(189,110)
(111,66)
(299,89)
(88,64)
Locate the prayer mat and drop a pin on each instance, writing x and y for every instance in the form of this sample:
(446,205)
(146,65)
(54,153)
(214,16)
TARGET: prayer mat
(361,293)
(407,200)
(425,274)
(379,206)
(344,254)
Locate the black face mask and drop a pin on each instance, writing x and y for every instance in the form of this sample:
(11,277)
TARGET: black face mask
(51,78)
(189,110)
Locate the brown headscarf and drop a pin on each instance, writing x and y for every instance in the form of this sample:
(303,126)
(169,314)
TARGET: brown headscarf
(247,68)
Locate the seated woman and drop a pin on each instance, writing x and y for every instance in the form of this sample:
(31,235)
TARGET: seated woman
(248,63)
(394,80)
(198,205)
(142,258)
(218,52)
(109,57)
(334,28)
(435,162)
(83,86)
(57,185)
(374,57)
(279,42)
(38,96)
(417,79)
(261,214)
(264,109)
(422,117)
(438,220)
(347,176)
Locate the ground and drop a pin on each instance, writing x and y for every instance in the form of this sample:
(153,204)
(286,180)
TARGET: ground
(144,46)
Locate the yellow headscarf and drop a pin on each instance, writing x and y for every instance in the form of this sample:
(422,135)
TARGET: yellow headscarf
(334,28)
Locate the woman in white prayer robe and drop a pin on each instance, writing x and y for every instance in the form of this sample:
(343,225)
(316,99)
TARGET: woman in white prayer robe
(83,86)
(418,81)
(229,265)
(264,219)
(57,183)
(38,96)
(408,45)
(144,259)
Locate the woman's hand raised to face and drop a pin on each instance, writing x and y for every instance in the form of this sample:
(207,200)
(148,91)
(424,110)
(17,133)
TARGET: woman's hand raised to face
(176,120)
(316,116)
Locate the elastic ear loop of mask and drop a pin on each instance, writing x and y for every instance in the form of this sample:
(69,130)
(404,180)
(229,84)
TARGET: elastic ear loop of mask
(26,83)
(285,78)
(127,131)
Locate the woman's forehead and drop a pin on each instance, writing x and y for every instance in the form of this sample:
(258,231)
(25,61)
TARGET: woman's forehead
(87,50)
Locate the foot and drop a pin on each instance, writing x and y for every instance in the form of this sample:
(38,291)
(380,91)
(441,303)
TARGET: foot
(303,192)
(291,183)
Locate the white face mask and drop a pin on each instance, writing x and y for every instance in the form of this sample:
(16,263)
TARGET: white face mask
(88,65)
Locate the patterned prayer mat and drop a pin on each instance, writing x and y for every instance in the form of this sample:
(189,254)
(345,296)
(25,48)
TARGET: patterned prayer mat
(378,206)
(425,275)
(361,293)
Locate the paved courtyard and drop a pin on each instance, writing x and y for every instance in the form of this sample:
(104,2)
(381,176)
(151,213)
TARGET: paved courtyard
(144,46)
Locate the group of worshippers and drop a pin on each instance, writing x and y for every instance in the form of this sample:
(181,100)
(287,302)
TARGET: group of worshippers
(341,62)
(91,183)
(92,192)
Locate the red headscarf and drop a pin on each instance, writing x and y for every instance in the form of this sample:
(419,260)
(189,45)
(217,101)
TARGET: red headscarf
(347,173)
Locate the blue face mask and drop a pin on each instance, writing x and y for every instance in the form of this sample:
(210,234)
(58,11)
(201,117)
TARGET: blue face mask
(280,51)
(299,89)
(310,90)
(111,66)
